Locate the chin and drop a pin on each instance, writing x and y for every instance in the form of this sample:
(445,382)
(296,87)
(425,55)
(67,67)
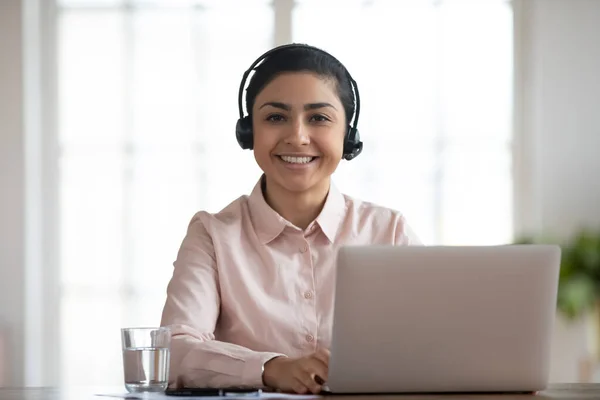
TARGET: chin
(297,184)
(297,187)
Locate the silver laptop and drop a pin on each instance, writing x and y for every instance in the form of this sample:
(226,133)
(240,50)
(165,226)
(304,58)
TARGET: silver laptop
(443,319)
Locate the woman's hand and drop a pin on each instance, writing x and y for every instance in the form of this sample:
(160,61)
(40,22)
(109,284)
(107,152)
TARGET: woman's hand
(299,375)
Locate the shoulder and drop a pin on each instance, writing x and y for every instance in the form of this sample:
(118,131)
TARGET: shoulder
(207,229)
(380,219)
(230,216)
(369,210)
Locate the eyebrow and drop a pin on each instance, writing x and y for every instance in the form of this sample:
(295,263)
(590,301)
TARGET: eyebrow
(287,107)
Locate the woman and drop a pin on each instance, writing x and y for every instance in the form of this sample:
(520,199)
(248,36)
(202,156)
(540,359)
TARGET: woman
(250,302)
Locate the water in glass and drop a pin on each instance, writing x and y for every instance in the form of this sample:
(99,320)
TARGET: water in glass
(146,369)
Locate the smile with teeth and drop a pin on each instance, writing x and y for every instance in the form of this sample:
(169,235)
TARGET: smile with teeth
(297,160)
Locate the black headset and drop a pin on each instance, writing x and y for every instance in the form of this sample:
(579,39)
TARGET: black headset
(243,129)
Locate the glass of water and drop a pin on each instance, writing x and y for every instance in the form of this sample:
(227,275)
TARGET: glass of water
(146,355)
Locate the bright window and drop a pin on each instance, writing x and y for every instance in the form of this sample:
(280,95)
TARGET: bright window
(435,79)
(147,111)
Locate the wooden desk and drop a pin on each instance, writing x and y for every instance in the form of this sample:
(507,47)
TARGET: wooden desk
(584,391)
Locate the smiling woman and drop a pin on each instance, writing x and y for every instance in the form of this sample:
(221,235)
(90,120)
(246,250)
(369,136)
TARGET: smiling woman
(239,318)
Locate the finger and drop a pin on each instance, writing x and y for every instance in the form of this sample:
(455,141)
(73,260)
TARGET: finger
(308,380)
(298,387)
(317,367)
(323,355)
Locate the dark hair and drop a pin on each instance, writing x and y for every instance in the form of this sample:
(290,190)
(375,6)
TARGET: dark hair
(297,59)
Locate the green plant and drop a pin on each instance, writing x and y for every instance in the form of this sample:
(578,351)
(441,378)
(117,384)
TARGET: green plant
(579,280)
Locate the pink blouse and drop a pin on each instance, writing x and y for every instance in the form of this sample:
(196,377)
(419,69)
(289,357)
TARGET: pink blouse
(247,285)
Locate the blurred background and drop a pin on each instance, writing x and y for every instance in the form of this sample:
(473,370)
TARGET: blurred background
(480,122)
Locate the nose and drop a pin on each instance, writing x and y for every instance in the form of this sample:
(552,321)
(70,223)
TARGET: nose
(298,134)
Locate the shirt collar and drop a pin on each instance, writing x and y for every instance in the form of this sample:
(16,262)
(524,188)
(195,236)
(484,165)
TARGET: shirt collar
(269,224)
(332,214)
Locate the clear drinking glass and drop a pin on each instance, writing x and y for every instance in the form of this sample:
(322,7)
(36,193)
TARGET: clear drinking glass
(146,355)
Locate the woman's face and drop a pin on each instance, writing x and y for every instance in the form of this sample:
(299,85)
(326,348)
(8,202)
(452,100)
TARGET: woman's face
(299,127)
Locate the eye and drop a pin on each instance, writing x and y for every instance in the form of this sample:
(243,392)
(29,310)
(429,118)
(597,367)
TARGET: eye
(275,118)
(319,118)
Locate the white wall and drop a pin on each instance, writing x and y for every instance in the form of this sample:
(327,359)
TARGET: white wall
(12,189)
(558,126)
(560,61)
(567,117)
(28,283)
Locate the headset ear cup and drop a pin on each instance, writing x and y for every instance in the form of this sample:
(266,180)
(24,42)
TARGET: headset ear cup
(352,144)
(243,133)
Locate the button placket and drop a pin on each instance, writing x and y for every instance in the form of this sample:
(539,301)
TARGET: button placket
(307,293)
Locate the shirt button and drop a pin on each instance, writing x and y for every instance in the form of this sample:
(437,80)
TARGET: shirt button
(310,338)
(304,249)
(308,295)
